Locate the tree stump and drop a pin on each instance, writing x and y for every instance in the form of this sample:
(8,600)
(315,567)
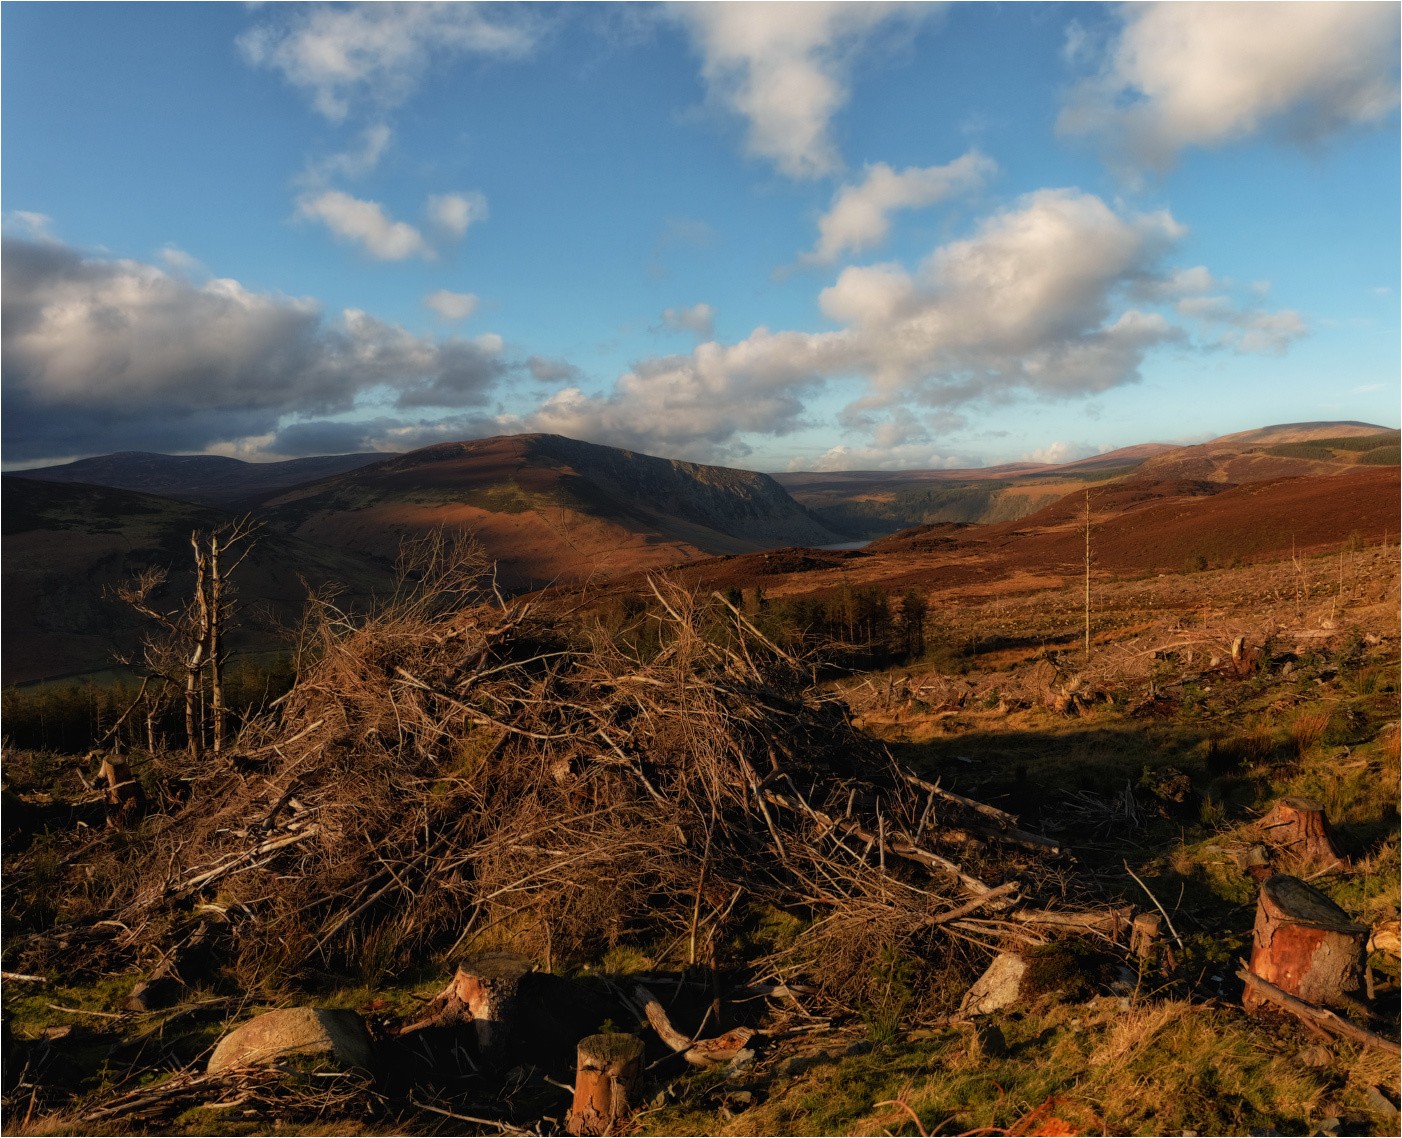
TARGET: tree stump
(482,993)
(1299,827)
(126,801)
(1305,945)
(605,1076)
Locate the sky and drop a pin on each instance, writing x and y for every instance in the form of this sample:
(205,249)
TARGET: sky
(787,236)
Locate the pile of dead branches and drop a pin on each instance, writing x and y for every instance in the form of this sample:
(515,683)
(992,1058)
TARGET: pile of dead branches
(471,774)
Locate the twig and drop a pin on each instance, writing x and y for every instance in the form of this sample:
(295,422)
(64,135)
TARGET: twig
(1159,907)
(504,1127)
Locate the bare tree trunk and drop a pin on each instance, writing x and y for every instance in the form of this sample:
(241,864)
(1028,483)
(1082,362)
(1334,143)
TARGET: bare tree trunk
(605,1077)
(199,648)
(1305,945)
(483,994)
(216,646)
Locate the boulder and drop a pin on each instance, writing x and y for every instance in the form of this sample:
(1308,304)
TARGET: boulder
(331,1033)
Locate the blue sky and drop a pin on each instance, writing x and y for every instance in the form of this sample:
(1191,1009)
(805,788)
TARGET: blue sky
(778,236)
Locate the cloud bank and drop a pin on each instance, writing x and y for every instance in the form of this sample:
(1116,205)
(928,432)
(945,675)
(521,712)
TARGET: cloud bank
(102,354)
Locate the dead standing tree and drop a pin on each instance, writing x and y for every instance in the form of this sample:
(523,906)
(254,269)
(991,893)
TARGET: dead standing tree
(195,634)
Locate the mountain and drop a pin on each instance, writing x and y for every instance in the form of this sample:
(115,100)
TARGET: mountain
(67,546)
(545,507)
(873,503)
(208,479)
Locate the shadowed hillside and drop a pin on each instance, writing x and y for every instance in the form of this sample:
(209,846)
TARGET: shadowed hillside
(209,479)
(546,507)
(66,545)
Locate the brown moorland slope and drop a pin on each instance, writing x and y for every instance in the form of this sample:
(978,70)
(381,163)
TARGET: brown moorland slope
(1138,526)
(874,503)
(549,508)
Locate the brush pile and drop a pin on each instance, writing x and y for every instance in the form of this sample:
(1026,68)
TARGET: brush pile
(456,772)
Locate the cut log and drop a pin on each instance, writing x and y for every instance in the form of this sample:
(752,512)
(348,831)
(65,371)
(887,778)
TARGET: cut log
(698,1052)
(1386,938)
(606,1075)
(482,993)
(1146,936)
(1305,945)
(1298,827)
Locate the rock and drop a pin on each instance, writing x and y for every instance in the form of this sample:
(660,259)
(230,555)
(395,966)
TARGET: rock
(1380,1103)
(331,1033)
(999,987)
(1316,1056)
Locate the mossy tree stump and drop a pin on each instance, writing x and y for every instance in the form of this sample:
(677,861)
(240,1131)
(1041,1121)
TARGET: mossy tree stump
(1305,945)
(605,1077)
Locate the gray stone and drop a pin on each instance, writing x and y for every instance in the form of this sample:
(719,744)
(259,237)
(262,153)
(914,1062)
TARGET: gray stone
(998,988)
(334,1034)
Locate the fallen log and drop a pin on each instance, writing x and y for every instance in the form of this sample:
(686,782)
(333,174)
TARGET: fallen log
(606,1074)
(1313,1014)
(1305,945)
(698,1052)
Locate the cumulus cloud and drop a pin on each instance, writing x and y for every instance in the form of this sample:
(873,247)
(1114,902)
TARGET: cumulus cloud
(785,69)
(1057,453)
(1046,298)
(104,354)
(860,216)
(699,320)
(344,55)
(451,306)
(879,457)
(1180,75)
(366,224)
(453,213)
(178,260)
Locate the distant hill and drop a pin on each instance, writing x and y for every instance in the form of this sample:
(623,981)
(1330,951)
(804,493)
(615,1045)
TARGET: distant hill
(1284,451)
(211,480)
(873,503)
(66,545)
(549,508)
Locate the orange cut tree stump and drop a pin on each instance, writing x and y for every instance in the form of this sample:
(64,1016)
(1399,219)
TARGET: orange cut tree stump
(482,993)
(1305,945)
(606,1076)
(1299,828)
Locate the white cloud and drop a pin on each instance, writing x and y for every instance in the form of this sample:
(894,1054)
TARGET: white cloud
(860,216)
(699,319)
(784,67)
(453,213)
(377,53)
(102,354)
(365,223)
(451,306)
(182,262)
(352,164)
(1038,301)
(1181,75)
(1243,329)
(1061,452)
(907,457)
(27,223)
